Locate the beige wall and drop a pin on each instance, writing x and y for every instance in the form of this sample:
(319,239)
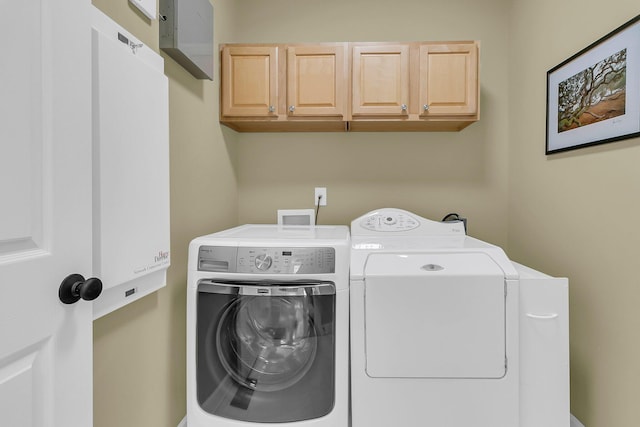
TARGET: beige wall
(573,214)
(428,173)
(564,214)
(139,350)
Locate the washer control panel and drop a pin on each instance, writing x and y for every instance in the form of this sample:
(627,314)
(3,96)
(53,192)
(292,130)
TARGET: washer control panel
(389,220)
(261,260)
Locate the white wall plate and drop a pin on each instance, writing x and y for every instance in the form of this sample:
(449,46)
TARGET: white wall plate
(296,217)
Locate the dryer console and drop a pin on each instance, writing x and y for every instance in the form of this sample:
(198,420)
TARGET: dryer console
(390,220)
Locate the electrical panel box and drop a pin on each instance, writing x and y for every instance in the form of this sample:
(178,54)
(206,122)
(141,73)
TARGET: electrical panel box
(186,34)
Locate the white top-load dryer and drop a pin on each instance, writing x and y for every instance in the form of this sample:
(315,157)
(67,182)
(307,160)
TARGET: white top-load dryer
(435,330)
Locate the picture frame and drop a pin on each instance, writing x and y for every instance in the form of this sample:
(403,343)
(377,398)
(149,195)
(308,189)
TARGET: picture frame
(594,96)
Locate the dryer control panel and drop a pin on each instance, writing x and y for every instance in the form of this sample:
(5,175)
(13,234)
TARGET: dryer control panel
(399,222)
(390,220)
(266,260)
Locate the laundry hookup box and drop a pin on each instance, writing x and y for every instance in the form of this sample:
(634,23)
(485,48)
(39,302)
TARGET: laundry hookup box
(130,166)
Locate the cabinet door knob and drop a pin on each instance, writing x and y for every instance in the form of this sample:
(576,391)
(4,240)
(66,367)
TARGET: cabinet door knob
(403,107)
(425,107)
(272,108)
(292,108)
(74,287)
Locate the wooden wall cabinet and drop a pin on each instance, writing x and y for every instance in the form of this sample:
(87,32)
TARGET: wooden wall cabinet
(284,87)
(316,81)
(448,80)
(418,86)
(380,80)
(250,79)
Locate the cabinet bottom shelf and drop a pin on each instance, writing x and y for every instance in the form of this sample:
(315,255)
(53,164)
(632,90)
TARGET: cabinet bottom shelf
(408,125)
(350,126)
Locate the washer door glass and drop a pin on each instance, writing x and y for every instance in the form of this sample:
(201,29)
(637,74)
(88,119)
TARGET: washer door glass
(265,351)
(267,343)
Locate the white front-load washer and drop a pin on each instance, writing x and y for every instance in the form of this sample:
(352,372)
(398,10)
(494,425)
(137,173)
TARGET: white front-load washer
(267,327)
(434,325)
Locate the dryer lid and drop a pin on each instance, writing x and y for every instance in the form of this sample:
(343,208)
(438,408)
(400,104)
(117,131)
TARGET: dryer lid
(434,315)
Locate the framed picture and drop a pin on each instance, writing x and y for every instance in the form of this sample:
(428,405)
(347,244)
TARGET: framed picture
(594,96)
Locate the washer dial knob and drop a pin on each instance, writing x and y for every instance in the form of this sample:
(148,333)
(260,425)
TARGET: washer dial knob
(263,262)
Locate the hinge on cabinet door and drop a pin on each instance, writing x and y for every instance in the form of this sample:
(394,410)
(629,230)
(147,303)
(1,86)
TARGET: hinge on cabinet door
(506,363)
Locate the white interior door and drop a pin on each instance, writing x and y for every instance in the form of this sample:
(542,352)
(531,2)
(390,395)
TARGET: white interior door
(45,212)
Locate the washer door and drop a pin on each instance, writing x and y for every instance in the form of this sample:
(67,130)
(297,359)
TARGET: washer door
(263,344)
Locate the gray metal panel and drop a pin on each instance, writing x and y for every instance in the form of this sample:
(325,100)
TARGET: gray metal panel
(267,260)
(186,34)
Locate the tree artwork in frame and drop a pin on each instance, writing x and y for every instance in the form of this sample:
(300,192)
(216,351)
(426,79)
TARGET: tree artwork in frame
(594,96)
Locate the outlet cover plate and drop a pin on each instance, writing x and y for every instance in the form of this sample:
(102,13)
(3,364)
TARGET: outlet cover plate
(320,191)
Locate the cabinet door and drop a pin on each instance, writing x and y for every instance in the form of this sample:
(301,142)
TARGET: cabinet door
(448,79)
(249,81)
(316,80)
(380,80)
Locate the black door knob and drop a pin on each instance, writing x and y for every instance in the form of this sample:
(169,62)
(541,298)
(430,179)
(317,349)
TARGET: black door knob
(74,287)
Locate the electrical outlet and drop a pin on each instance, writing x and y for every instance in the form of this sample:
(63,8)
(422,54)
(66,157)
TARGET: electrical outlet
(321,192)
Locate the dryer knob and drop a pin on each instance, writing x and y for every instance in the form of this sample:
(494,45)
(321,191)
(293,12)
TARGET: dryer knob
(263,262)
(390,220)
